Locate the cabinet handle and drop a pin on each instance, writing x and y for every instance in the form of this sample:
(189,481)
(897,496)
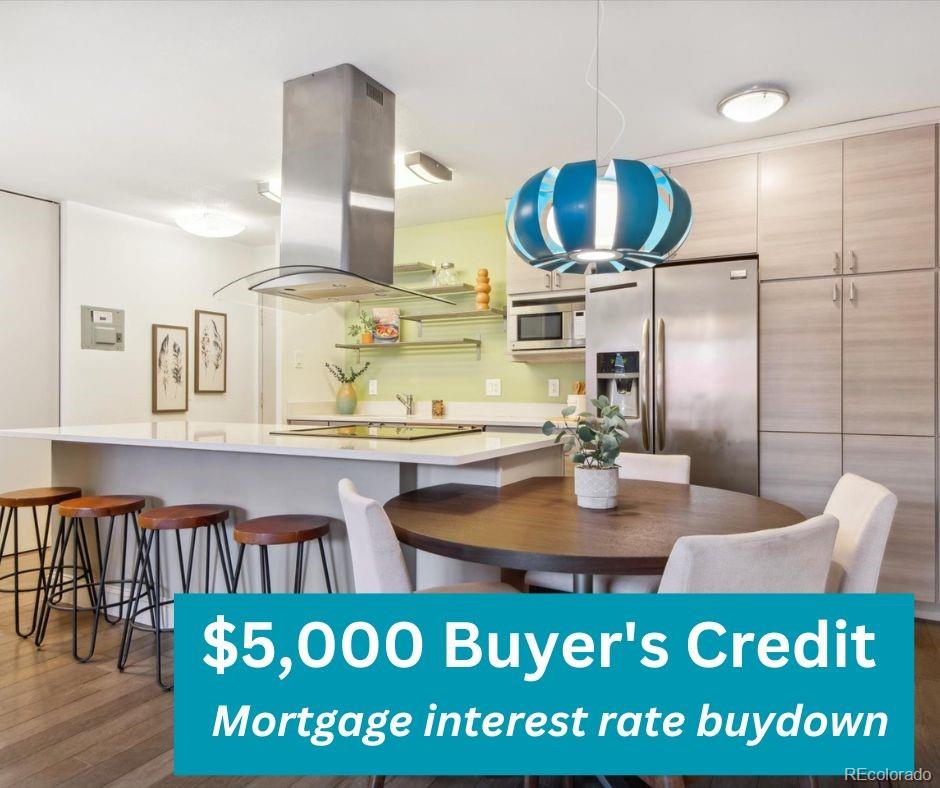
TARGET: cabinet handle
(836,263)
(853,266)
(851,291)
(557,279)
(835,292)
(548,281)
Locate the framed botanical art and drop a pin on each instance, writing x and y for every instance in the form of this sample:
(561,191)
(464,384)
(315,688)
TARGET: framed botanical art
(170,372)
(211,352)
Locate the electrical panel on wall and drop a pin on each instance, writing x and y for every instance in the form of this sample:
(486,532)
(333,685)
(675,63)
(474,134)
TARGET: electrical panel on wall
(102,329)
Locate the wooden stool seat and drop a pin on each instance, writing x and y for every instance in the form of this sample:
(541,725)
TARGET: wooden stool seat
(38,496)
(282,529)
(101,506)
(176,518)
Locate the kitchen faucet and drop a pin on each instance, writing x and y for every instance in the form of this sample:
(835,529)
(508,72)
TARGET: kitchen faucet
(408,400)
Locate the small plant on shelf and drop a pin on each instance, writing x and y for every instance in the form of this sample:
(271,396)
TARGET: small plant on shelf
(593,440)
(364,328)
(346,397)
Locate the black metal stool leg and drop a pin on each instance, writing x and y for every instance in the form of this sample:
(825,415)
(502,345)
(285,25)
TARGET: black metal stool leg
(158,610)
(265,571)
(138,581)
(326,570)
(221,539)
(238,565)
(41,543)
(299,568)
(100,599)
(56,565)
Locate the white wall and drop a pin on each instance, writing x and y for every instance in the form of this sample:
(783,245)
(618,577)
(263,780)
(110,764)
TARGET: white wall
(29,327)
(157,274)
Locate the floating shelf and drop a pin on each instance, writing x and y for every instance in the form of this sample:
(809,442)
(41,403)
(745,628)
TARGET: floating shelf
(472,314)
(413,268)
(359,346)
(445,290)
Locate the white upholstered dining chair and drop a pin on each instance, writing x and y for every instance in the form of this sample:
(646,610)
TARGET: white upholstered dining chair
(794,559)
(865,511)
(378,563)
(673,468)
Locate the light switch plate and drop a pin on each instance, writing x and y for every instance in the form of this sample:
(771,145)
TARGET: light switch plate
(554,389)
(373,387)
(298,359)
(493,387)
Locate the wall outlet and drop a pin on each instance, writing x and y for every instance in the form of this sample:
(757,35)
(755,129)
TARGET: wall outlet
(373,387)
(493,387)
(298,359)
(554,389)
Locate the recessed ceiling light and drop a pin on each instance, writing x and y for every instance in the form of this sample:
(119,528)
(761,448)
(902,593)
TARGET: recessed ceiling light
(755,103)
(270,190)
(416,168)
(209,224)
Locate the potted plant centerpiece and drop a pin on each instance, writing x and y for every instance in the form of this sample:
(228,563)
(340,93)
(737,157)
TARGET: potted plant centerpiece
(364,328)
(346,398)
(595,443)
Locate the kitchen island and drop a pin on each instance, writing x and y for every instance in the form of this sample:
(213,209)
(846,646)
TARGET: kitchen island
(256,473)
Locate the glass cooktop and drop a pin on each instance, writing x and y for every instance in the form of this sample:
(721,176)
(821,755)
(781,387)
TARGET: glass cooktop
(394,432)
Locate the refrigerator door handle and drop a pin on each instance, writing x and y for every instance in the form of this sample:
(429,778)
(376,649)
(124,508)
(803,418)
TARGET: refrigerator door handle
(645,385)
(660,385)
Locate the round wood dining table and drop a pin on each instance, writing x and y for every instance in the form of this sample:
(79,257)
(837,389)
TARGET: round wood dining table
(537,524)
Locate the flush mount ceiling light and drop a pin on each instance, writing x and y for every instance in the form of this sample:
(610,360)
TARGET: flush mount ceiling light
(418,169)
(270,190)
(208,223)
(582,216)
(755,103)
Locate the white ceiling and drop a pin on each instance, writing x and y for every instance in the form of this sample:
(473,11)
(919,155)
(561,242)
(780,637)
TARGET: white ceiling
(150,107)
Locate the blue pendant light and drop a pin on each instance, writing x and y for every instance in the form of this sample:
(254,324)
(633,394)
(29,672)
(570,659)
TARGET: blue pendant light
(572,218)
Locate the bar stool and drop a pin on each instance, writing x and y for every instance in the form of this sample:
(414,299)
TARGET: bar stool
(146,577)
(72,514)
(28,499)
(283,529)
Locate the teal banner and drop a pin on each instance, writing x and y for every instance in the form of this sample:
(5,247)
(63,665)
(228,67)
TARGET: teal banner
(543,684)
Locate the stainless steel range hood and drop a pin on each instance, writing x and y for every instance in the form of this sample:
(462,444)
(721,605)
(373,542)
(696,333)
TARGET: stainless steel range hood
(337,196)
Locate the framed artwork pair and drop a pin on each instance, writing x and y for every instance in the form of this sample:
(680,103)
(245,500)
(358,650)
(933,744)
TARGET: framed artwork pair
(170,361)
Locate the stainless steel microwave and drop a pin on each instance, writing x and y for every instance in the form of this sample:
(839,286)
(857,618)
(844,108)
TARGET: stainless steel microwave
(542,322)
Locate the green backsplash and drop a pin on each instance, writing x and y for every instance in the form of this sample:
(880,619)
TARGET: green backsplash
(454,373)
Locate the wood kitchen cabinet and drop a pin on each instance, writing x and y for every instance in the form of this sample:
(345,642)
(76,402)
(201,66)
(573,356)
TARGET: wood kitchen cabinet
(800,220)
(800,339)
(523,278)
(888,361)
(890,207)
(906,467)
(724,207)
(800,469)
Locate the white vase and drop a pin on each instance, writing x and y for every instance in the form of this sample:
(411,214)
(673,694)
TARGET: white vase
(596,488)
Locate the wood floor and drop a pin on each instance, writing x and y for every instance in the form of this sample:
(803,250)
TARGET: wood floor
(84,725)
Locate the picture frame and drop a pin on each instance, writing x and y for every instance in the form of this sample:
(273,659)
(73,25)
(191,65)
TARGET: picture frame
(210,352)
(387,324)
(170,368)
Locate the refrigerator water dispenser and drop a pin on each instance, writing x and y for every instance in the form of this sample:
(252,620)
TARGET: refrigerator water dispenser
(618,376)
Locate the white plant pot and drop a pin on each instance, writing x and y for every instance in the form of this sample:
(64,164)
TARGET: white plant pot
(596,488)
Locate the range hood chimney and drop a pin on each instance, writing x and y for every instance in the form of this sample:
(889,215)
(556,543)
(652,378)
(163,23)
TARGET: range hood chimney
(337,195)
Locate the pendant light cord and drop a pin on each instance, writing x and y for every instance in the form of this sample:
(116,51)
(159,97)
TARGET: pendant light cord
(598,93)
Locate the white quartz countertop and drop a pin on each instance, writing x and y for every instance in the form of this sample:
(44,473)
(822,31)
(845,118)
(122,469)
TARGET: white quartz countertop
(257,439)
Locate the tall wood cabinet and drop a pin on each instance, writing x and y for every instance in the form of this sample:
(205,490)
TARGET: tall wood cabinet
(801,356)
(890,209)
(800,199)
(906,467)
(889,353)
(800,469)
(724,207)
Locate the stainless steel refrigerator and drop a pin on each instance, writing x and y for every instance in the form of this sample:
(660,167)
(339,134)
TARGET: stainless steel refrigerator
(676,348)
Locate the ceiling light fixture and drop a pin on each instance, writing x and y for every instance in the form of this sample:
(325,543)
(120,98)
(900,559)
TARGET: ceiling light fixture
(755,103)
(270,190)
(418,169)
(208,223)
(583,216)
